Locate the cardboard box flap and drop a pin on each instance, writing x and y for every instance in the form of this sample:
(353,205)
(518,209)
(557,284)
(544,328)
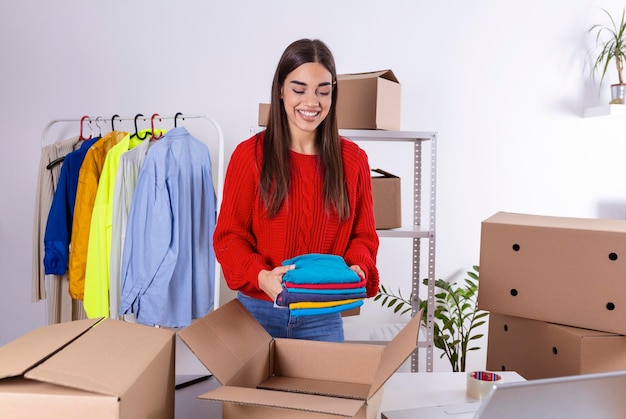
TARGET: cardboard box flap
(130,348)
(383,74)
(396,352)
(344,390)
(293,401)
(543,221)
(23,353)
(226,340)
(585,333)
(384,173)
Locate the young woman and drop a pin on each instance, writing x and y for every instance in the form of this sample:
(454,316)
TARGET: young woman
(295,189)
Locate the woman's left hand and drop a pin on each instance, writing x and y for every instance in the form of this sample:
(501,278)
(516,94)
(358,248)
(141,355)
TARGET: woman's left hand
(358,270)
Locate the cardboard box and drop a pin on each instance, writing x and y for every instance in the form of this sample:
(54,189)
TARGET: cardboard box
(537,349)
(96,368)
(264,114)
(369,100)
(386,191)
(366,101)
(562,270)
(263,377)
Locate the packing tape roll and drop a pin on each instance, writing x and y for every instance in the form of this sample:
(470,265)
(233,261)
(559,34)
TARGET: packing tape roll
(479,383)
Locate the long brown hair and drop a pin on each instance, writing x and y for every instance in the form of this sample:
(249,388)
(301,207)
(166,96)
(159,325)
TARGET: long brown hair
(275,174)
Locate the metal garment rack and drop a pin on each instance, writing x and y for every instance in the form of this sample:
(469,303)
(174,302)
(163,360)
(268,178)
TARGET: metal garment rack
(417,232)
(156,117)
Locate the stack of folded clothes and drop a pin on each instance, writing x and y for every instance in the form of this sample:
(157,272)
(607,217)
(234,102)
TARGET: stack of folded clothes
(320,284)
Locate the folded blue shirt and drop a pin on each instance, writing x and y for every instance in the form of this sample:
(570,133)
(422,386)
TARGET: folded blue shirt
(317,268)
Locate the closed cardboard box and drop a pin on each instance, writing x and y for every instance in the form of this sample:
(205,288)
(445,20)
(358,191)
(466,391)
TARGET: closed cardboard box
(263,377)
(537,349)
(386,191)
(96,368)
(366,101)
(562,270)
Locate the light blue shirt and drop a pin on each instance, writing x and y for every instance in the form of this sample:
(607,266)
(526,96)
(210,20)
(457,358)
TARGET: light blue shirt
(168,261)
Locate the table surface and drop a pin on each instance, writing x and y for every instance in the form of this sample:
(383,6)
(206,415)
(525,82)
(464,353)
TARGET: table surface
(404,390)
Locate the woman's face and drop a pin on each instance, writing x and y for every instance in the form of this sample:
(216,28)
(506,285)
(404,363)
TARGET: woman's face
(307,97)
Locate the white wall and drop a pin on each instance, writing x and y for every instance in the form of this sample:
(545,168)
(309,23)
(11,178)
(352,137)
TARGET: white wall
(504,84)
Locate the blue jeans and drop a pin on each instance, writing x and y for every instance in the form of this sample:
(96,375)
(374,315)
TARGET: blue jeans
(279,323)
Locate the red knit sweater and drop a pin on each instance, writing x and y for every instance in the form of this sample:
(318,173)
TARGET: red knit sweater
(246,240)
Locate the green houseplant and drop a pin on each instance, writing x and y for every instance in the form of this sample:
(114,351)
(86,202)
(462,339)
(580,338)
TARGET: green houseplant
(456,316)
(611,43)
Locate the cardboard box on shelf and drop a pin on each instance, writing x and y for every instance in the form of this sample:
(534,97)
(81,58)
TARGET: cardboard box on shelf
(556,269)
(369,100)
(263,377)
(386,191)
(537,349)
(366,101)
(264,113)
(96,368)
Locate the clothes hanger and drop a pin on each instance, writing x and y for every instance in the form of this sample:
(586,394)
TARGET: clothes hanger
(154,136)
(176,117)
(82,120)
(54,162)
(136,134)
(99,127)
(113,121)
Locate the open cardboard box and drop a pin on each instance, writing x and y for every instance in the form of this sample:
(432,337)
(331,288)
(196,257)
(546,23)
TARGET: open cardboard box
(386,192)
(369,100)
(95,368)
(264,377)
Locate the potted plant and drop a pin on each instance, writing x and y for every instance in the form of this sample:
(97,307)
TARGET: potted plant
(611,44)
(456,316)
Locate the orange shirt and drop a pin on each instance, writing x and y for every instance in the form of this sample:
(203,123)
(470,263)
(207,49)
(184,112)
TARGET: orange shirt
(88,178)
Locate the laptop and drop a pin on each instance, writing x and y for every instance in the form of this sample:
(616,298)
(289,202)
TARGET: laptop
(599,395)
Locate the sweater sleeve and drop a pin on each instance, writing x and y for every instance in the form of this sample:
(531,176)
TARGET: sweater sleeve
(233,240)
(363,245)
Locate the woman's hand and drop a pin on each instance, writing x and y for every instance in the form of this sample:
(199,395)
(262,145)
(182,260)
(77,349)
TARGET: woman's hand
(271,282)
(358,270)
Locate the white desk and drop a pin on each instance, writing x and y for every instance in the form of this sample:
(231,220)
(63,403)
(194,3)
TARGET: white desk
(406,390)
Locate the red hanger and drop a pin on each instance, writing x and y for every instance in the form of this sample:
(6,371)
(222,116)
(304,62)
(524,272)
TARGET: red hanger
(154,137)
(82,120)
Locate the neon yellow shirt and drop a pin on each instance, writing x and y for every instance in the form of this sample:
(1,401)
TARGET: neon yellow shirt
(97,277)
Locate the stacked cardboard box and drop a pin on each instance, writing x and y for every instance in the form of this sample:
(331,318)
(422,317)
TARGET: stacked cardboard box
(554,290)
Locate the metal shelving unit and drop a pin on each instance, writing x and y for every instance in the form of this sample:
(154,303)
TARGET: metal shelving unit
(423,228)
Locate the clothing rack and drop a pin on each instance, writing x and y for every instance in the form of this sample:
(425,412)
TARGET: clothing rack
(220,135)
(115,119)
